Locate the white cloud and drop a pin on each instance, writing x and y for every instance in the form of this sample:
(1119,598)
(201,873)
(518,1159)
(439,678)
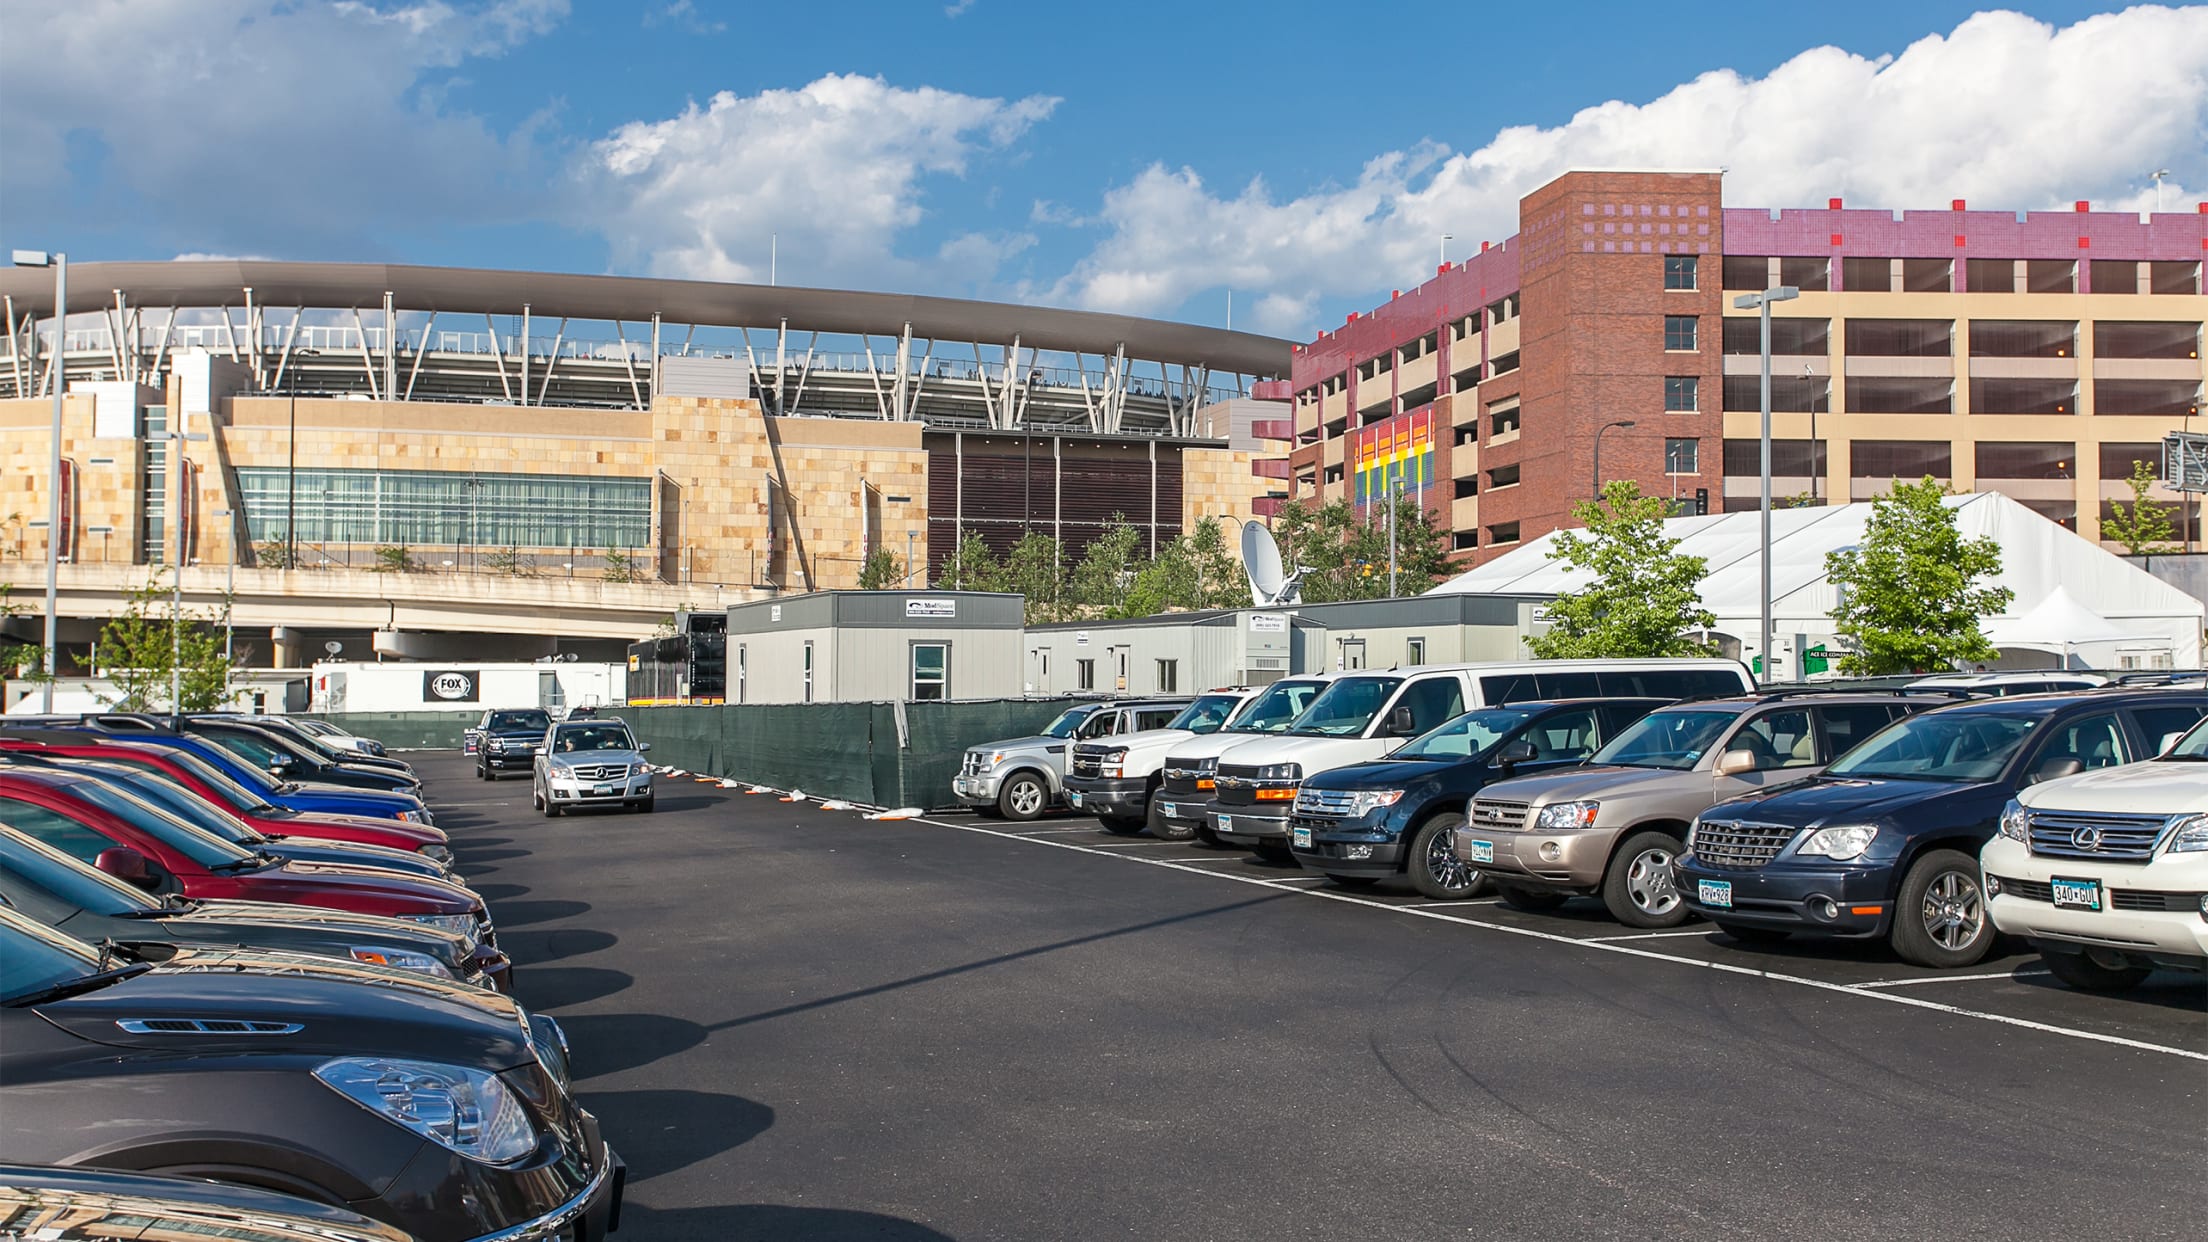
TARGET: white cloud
(683,13)
(256,123)
(834,170)
(957,8)
(2005,111)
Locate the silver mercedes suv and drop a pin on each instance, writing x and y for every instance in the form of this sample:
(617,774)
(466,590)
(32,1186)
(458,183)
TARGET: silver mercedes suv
(591,762)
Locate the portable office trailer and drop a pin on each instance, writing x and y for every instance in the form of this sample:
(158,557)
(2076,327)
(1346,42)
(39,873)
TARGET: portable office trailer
(1172,653)
(875,646)
(1425,629)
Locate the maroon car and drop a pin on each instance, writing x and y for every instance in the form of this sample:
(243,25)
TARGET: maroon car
(134,841)
(273,822)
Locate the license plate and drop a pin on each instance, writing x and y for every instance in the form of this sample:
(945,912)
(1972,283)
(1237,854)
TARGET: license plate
(1302,838)
(1074,798)
(1226,823)
(1480,851)
(1170,810)
(607,789)
(1717,893)
(2076,894)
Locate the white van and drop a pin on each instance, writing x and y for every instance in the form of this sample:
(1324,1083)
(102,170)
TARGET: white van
(1362,716)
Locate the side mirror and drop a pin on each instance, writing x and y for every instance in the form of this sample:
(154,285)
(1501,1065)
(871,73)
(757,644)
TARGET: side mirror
(641,747)
(2056,769)
(1400,723)
(125,864)
(1735,762)
(1513,754)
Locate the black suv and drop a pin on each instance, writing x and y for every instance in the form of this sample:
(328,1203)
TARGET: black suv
(508,740)
(1884,844)
(1400,815)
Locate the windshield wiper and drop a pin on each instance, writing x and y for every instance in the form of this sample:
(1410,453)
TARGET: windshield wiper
(254,863)
(78,986)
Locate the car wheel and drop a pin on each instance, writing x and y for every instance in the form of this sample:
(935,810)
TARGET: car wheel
(2092,971)
(545,803)
(1160,827)
(1940,919)
(1531,900)
(1209,839)
(1278,855)
(1638,887)
(1120,825)
(1023,797)
(1435,869)
(1753,935)
(644,804)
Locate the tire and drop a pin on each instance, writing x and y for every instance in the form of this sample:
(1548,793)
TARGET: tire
(1024,797)
(1159,828)
(1278,855)
(2088,973)
(1120,826)
(536,799)
(1432,863)
(551,809)
(643,805)
(1207,838)
(1637,886)
(1752,935)
(1531,900)
(1940,919)
(482,772)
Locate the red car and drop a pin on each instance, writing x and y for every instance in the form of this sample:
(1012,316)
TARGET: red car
(273,822)
(133,841)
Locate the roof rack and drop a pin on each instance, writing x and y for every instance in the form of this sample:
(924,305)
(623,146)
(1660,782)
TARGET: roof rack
(1804,692)
(2158,677)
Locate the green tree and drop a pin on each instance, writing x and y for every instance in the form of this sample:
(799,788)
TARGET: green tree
(1912,594)
(150,644)
(1220,582)
(1102,583)
(20,660)
(620,567)
(394,558)
(512,562)
(1344,555)
(1036,568)
(882,571)
(1643,597)
(971,566)
(2144,527)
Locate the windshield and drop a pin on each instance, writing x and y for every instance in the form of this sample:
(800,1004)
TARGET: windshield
(201,847)
(34,958)
(1206,714)
(592,737)
(1068,720)
(252,749)
(1276,709)
(1346,707)
(1474,733)
(521,720)
(1675,739)
(1941,746)
(237,796)
(169,796)
(2193,747)
(68,881)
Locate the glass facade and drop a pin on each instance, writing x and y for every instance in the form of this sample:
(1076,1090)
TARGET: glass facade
(429,508)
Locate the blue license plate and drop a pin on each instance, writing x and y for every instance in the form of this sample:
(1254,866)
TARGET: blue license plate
(608,789)
(1479,851)
(1226,823)
(1718,893)
(2076,894)
(1074,798)
(1170,810)
(1302,838)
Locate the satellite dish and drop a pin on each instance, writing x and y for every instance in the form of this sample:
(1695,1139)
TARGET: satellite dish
(333,646)
(1270,583)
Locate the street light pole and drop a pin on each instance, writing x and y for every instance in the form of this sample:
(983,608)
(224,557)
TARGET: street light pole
(60,263)
(1762,302)
(1623,422)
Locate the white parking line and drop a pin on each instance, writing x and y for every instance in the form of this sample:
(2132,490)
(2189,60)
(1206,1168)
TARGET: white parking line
(1037,832)
(1107,845)
(1699,931)
(1626,950)
(2024,973)
(1444,905)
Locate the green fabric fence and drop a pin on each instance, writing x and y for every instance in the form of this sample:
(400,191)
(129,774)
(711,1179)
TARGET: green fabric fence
(850,751)
(405,730)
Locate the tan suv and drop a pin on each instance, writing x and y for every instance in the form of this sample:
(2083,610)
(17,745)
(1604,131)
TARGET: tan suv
(1612,828)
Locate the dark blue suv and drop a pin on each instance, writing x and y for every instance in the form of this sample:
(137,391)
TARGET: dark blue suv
(1884,844)
(1399,815)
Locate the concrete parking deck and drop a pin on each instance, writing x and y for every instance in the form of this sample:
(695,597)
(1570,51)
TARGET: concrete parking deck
(796,1023)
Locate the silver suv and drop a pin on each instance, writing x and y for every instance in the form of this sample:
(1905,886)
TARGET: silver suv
(1021,777)
(591,762)
(1613,827)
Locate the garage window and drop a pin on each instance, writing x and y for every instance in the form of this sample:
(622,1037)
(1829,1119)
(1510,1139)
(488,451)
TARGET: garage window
(931,672)
(1084,674)
(808,673)
(1169,676)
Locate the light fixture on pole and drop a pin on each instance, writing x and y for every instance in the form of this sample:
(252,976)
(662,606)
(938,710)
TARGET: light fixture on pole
(229,591)
(1445,240)
(2158,176)
(173,468)
(909,536)
(1623,422)
(1762,302)
(60,263)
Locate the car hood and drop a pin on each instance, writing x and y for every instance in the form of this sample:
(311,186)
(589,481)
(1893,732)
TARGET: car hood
(305,823)
(2156,787)
(356,854)
(1147,737)
(1608,781)
(1846,800)
(399,933)
(1386,773)
(325,792)
(1213,745)
(371,883)
(593,756)
(1032,742)
(1315,753)
(402,1015)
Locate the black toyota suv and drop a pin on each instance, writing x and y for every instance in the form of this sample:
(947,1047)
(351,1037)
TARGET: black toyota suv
(1884,844)
(1399,815)
(432,1106)
(507,740)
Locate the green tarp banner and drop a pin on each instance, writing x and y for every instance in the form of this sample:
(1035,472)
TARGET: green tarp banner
(405,730)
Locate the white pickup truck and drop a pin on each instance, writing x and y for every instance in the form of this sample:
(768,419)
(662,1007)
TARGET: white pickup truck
(2107,871)
(1113,778)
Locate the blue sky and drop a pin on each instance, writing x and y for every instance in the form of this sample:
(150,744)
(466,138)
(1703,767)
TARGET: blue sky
(1139,157)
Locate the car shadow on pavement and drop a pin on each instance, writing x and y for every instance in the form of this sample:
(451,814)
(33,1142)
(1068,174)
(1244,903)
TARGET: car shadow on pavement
(608,1043)
(526,913)
(2168,989)
(533,948)
(495,892)
(762,1222)
(658,1132)
(476,857)
(557,987)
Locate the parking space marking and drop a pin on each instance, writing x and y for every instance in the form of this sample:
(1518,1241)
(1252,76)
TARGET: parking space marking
(1444,905)
(1036,832)
(1627,950)
(1108,845)
(1699,931)
(2022,973)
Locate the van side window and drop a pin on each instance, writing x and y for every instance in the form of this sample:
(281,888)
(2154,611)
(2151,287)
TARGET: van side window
(1156,718)
(2160,721)
(1432,700)
(1849,723)
(1500,688)
(1586,685)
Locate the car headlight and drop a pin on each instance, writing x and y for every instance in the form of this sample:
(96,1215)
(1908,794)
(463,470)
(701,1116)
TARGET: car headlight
(1364,801)
(458,924)
(1840,842)
(401,959)
(415,817)
(561,770)
(2191,836)
(1566,815)
(1693,826)
(1112,763)
(498,743)
(2013,824)
(464,1110)
(1280,772)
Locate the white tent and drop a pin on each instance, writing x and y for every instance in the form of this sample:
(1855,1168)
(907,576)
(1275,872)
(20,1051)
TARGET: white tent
(2061,624)
(2159,624)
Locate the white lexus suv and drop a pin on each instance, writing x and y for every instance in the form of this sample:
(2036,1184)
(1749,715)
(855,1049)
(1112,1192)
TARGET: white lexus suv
(2107,871)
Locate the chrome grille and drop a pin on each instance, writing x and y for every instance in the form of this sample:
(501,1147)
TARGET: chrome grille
(1733,845)
(1329,803)
(1180,776)
(602,772)
(1238,786)
(1497,813)
(972,764)
(1088,761)
(2094,834)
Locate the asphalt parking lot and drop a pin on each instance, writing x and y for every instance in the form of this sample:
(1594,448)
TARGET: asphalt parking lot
(797,1023)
